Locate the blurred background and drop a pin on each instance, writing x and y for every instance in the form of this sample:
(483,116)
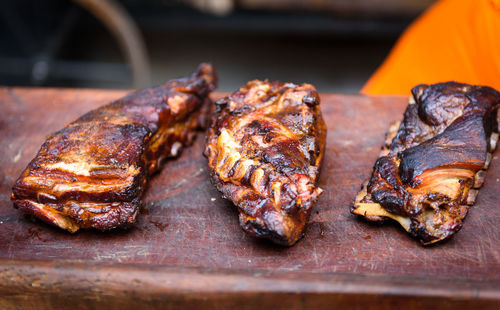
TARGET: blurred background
(334,44)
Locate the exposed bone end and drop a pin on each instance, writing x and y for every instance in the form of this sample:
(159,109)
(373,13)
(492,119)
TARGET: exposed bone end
(374,212)
(394,127)
(362,193)
(493,141)
(389,136)
(175,149)
(411,100)
(487,161)
(420,91)
(479,178)
(370,215)
(391,133)
(384,152)
(471,198)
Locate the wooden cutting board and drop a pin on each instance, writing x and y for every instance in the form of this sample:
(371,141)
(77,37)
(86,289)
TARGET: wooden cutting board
(187,249)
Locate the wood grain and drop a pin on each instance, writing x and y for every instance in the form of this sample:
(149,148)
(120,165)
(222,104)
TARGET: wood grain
(188,250)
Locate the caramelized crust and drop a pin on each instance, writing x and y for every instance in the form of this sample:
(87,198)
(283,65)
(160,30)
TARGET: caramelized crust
(431,167)
(92,173)
(264,150)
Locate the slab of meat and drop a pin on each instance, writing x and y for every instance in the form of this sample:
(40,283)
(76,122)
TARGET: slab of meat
(92,173)
(264,149)
(431,168)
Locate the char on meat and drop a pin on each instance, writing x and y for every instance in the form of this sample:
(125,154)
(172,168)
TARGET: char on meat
(264,149)
(432,166)
(93,172)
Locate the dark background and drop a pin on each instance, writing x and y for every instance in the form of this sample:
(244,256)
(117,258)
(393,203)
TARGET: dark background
(334,44)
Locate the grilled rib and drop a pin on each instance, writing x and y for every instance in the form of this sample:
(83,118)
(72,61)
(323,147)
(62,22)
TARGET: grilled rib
(431,168)
(264,150)
(92,173)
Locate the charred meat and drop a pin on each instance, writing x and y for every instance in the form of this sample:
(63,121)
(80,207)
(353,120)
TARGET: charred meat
(92,173)
(264,149)
(431,168)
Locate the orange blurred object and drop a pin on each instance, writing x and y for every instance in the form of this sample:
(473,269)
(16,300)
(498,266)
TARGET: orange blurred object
(455,40)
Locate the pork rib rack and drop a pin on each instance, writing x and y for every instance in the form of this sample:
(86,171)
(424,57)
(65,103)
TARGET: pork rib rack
(431,168)
(92,173)
(264,150)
